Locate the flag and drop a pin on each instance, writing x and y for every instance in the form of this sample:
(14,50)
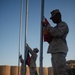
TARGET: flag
(28,58)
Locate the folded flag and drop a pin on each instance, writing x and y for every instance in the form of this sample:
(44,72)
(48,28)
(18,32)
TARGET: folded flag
(46,33)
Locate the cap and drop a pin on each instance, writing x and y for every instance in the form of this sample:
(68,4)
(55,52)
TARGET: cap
(36,50)
(54,12)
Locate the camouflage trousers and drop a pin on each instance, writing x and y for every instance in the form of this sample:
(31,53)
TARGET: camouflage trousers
(32,70)
(59,63)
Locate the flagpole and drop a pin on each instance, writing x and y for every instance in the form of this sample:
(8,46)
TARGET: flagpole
(41,38)
(20,35)
(26,25)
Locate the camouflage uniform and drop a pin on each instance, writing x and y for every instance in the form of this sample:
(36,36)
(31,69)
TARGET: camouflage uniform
(32,61)
(58,47)
(33,64)
(22,63)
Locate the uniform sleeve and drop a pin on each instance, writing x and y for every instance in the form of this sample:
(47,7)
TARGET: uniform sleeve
(30,50)
(58,31)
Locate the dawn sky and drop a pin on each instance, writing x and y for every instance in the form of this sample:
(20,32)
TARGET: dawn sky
(10,23)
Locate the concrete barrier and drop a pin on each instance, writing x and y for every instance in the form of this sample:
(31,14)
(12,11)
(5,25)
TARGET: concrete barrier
(45,71)
(27,71)
(50,71)
(4,70)
(14,70)
(37,70)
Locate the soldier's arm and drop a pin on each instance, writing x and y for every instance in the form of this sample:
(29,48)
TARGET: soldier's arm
(30,50)
(58,32)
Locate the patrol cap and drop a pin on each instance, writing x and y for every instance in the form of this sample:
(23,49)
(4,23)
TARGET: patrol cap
(54,12)
(36,50)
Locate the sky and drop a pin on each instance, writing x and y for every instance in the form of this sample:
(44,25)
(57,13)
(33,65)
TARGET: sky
(10,24)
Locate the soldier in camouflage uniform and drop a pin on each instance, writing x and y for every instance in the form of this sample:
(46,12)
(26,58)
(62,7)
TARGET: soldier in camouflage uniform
(22,63)
(58,45)
(33,58)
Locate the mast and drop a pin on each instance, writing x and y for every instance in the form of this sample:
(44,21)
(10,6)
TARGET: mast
(41,38)
(20,35)
(26,25)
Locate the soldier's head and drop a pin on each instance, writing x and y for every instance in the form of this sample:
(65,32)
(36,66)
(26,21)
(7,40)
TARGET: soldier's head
(20,56)
(55,16)
(36,50)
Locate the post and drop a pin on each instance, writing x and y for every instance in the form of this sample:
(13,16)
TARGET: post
(41,38)
(20,35)
(26,25)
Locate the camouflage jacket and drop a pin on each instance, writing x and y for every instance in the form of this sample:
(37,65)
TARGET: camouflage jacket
(59,33)
(33,57)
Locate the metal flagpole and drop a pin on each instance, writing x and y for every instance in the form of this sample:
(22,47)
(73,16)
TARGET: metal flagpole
(41,38)
(26,25)
(20,35)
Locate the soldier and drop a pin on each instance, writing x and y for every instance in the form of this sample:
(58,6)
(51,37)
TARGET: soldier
(32,59)
(22,63)
(58,45)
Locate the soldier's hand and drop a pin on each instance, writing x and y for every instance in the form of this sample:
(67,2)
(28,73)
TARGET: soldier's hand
(44,24)
(27,46)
